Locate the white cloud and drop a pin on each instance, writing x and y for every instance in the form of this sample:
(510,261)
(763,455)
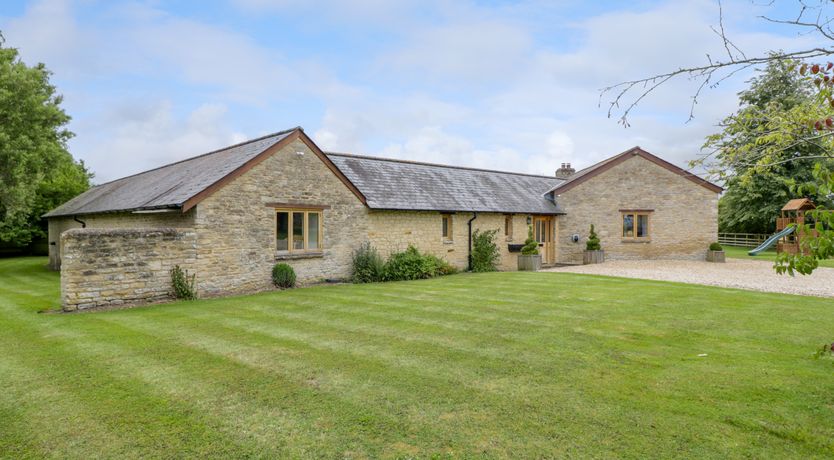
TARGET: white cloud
(498,86)
(547,113)
(477,52)
(148,134)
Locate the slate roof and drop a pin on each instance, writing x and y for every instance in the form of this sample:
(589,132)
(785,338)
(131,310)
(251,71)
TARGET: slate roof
(598,168)
(407,185)
(168,186)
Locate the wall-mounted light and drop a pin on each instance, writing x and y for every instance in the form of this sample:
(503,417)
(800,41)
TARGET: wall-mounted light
(529,220)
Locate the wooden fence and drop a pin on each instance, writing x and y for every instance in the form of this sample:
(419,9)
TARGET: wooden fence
(747,240)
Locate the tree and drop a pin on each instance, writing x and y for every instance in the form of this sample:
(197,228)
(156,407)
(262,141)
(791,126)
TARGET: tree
(784,135)
(485,254)
(37,172)
(755,191)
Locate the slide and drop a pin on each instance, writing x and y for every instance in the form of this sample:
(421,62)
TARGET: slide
(772,240)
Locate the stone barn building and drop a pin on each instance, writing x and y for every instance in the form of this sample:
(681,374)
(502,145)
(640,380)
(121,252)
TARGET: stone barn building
(228,216)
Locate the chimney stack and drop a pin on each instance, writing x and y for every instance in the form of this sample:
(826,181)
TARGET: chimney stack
(565,171)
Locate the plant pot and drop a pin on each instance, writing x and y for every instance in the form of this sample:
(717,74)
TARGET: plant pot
(715,256)
(530,263)
(593,257)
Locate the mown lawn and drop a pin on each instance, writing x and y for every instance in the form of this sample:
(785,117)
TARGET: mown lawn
(736,252)
(512,365)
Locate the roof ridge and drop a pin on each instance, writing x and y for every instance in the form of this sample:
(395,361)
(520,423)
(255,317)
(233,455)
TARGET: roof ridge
(277,133)
(589,172)
(424,163)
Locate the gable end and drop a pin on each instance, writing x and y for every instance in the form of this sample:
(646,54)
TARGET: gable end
(297,135)
(605,165)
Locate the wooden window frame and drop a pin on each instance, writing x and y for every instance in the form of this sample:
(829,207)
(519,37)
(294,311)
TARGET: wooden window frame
(305,230)
(508,227)
(634,215)
(447,237)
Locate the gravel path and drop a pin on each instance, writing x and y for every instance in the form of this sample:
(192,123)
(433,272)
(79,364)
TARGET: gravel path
(753,275)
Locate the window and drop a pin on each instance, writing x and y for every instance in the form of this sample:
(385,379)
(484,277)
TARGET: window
(508,226)
(298,230)
(635,225)
(446,227)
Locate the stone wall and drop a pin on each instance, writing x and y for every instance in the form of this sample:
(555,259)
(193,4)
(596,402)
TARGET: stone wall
(236,225)
(109,267)
(58,225)
(392,231)
(683,222)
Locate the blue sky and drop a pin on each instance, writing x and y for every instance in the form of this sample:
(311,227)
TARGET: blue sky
(496,84)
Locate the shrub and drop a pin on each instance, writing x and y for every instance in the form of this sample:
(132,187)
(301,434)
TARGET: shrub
(283,276)
(409,265)
(484,251)
(593,241)
(715,247)
(443,267)
(368,266)
(412,265)
(531,246)
(183,284)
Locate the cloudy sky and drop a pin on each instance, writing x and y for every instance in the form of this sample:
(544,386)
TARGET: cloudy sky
(496,84)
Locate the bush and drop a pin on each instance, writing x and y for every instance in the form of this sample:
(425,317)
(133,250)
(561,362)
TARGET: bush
(531,246)
(593,241)
(412,265)
(443,267)
(409,265)
(368,266)
(283,276)
(183,284)
(484,251)
(715,247)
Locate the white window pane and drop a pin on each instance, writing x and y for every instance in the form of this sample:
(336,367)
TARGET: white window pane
(628,225)
(313,231)
(298,230)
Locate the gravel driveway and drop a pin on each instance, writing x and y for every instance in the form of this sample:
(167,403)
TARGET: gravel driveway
(753,275)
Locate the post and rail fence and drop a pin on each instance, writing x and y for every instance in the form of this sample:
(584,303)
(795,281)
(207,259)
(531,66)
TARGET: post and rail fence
(747,240)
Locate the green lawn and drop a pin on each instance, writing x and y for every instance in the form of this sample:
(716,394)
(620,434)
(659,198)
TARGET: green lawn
(736,252)
(490,365)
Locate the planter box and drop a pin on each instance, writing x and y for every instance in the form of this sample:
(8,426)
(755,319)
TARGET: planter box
(593,257)
(715,256)
(514,247)
(530,263)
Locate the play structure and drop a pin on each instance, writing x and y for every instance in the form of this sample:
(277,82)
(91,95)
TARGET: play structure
(786,237)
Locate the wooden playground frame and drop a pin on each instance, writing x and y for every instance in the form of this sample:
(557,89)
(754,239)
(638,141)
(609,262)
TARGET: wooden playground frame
(793,213)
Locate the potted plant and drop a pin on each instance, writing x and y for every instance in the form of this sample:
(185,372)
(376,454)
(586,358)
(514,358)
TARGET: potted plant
(593,250)
(530,259)
(715,253)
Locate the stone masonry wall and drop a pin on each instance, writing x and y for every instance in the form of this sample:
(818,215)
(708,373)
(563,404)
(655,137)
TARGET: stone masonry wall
(392,231)
(58,225)
(683,223)
(109,267)
(236,225)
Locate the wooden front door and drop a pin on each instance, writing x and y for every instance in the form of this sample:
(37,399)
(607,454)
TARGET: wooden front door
(543,233)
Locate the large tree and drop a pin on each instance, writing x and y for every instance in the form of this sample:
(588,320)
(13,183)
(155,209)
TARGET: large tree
(755,191)
(785,135)
(37,172)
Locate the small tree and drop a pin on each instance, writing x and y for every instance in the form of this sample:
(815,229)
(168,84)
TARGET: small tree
(183,284)
(531,246)
(367,265)
(484,251)
(593,241)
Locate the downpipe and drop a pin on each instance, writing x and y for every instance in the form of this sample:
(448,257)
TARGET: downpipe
(469,257)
